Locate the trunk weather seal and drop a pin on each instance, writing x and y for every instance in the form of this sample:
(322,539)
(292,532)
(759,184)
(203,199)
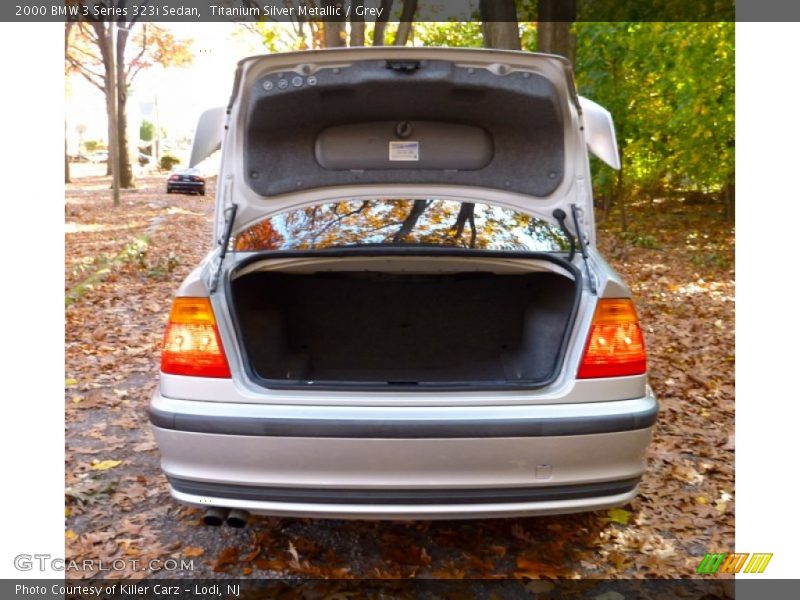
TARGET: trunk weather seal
(277,384)
(440,496)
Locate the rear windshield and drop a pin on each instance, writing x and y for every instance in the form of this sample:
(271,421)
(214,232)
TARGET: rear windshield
(396,222)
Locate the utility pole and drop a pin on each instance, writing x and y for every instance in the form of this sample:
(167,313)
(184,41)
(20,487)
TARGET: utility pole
(113,154)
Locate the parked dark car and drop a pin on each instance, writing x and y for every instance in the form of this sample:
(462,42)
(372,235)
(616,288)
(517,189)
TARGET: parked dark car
(186,181)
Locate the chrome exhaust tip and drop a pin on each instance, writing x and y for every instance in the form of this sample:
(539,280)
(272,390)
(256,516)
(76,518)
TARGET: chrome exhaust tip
(215,516)
(237,518)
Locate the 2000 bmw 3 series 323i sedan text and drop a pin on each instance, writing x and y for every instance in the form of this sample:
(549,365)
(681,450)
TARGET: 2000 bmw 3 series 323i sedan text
(404,314)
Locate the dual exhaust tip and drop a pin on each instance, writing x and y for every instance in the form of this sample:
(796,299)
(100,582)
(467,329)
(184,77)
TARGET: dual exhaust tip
(216,516)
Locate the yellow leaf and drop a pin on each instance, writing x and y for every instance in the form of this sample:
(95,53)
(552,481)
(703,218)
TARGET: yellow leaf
(193,551)
(102,465)
(702,500)
(67,511)
(76,399)
(619,515)
(70,381)
(70,535)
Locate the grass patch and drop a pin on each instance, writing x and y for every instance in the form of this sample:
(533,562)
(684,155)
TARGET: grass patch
(134,251)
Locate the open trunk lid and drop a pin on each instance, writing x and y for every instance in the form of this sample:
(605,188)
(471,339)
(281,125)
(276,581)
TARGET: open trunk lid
(498,125)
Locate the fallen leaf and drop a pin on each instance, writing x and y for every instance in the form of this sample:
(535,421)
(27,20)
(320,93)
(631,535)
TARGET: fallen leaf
(70,535)
(293,551)
(619,515)
(228,556)
(193,551)
(144,447)
(102,465)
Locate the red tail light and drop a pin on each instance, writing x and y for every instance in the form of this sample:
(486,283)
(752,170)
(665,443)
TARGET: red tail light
(615,347)
(191,342)
(173,178)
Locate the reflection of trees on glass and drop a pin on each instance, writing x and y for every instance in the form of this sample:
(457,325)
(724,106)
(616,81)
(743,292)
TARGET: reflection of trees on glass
(261,236)
(402,222)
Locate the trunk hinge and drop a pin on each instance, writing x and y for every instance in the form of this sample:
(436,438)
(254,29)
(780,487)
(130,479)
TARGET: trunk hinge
(582,243)
(223,242)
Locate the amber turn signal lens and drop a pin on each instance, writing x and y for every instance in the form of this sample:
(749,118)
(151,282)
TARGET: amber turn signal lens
(615,347)
(191,342)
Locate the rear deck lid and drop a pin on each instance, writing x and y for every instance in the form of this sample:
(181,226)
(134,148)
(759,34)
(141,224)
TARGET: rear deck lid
(501,126)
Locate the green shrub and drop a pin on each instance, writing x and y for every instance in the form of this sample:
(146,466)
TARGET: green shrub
(168,161)
(643,241)
(92,145)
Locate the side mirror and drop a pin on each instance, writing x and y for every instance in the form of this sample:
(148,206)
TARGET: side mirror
(599,132)
(208,135)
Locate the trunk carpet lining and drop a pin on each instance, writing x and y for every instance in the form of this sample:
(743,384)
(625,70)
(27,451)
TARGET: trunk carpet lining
(381,327)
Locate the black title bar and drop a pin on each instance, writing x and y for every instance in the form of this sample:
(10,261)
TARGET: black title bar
(196,11)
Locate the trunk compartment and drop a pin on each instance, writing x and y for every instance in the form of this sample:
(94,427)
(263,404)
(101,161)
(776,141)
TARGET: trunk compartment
(373,328)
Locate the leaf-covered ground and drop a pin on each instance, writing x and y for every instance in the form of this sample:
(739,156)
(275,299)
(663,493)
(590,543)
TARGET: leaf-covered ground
(122,267)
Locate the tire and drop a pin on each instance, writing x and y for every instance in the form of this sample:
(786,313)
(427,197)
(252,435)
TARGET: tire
(203,192)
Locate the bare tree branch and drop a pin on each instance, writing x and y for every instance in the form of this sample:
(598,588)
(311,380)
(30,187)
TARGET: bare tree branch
(88,74)
(131,63)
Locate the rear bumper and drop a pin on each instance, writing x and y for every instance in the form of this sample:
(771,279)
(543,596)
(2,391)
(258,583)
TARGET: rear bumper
(404,462)
(186,186)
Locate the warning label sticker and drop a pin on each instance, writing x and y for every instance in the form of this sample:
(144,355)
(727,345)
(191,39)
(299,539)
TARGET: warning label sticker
(403,150)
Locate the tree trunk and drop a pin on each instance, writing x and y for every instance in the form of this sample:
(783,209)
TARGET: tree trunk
(406,21)
(554,28)
(620,199)
(111,107)
(379,33)
(500,25)
(356,25)
(334,26)
(67,178)
(109,171)
(410,221)
(466,214)
(107,68)
(729,197)
(125,169)
(606,206)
